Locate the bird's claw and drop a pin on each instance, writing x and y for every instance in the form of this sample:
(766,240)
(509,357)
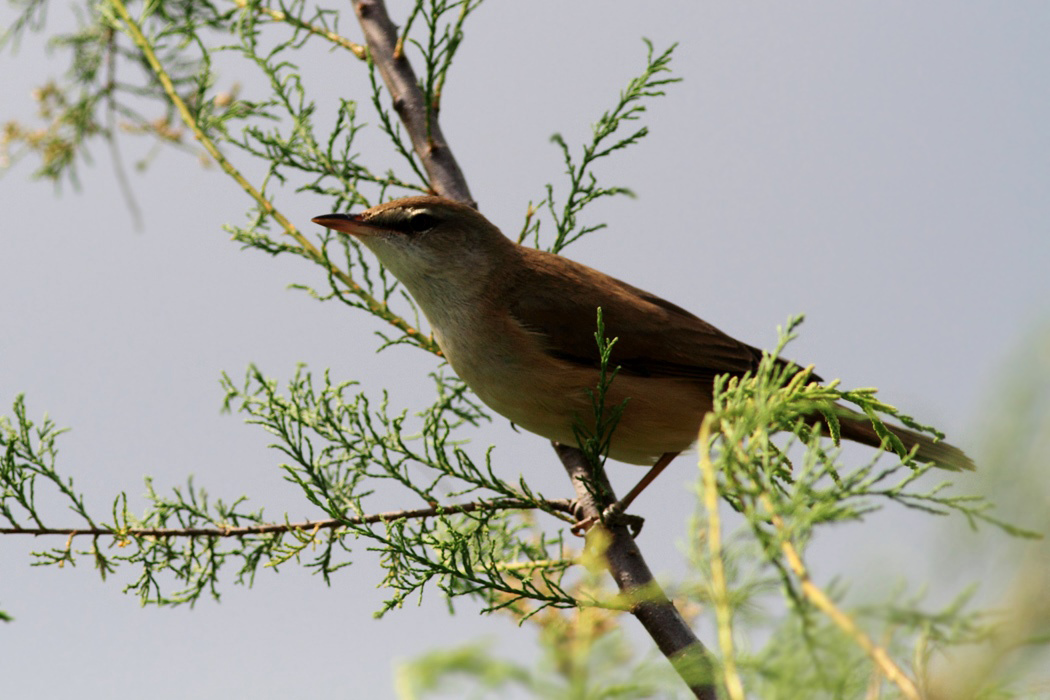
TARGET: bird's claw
(613,515)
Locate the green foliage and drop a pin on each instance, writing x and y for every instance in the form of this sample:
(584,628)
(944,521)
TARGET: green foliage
(606,140)
(442,40)
(461,530)
(268,120)
(584,653)
(594,442)
(343,452)
(749,411)
(28,463)
(97,98)
(785,500)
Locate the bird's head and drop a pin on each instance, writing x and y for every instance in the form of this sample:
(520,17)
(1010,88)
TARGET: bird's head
(426,242)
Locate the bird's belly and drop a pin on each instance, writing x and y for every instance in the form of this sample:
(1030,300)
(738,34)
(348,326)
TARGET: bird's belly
(548,397)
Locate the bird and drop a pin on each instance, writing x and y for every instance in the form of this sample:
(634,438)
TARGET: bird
(517,326)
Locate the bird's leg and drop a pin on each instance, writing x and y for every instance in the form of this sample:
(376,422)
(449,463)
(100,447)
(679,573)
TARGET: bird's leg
(654,471)
(617,509)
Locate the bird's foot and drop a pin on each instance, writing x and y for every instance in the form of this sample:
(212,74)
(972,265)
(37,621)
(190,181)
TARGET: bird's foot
(613,515)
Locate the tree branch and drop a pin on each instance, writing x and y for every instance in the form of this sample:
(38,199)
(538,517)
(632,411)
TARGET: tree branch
(420,120)
(648,602)
(624,560)
(561,505)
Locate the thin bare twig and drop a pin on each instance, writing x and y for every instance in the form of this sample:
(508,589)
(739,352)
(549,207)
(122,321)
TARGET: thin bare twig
(561,505)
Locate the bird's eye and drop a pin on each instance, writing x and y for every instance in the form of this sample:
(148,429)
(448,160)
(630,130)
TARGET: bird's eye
(419,222)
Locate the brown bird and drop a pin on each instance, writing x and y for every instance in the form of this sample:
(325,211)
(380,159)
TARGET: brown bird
(517,325)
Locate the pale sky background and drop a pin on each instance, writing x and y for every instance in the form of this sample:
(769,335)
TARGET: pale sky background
(879,166)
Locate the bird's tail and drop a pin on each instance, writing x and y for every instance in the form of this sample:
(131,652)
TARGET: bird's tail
(857,427)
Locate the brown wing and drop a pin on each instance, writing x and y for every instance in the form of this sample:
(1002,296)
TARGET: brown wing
(655,338)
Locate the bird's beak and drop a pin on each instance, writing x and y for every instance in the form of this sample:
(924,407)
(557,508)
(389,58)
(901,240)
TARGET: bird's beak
(347,223)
